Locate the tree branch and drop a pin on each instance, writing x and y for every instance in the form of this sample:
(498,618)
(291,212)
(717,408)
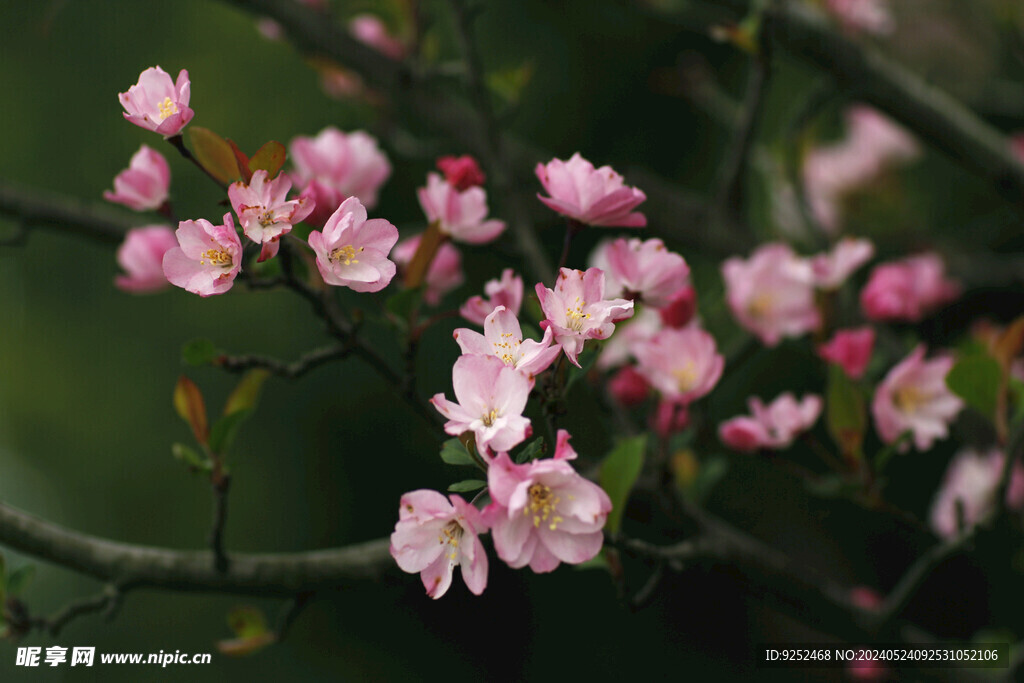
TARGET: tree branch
(293,370)
(41,209)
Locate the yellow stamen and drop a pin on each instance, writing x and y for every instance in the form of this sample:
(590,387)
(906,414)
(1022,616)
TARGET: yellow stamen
(451,536)
(489,418)
(760,305)
(216,257)
(508,348)
(575,316)
(908,399)
(543,504)
(346,255)
(167,108)
(686,376)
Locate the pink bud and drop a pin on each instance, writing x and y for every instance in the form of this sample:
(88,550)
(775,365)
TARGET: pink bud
(141,256)
(629,387)
(144,185)
(671,417)
(462,172)
(681,308)
(850,349)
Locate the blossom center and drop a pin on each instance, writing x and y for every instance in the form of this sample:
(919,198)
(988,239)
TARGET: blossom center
(216,257)
(268,218)
(451,536)
(760,305)
(575,316)
(167,108)
(685,376)
(543,504)
(508,348)
(489,418)
(346,255)
(908,399)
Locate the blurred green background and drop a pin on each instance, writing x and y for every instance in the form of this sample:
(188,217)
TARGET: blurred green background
(86,372)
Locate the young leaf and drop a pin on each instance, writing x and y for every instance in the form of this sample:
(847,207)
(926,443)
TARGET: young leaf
(531,451)
(270,158)
(20,579)
(188,402)
(188,456)
(226,429)
(467,485)
(976,379)
(454,452)
(214,153)
(619,472)
(246,392)
(199,352)
(250,627)
(845,414)
(242,162)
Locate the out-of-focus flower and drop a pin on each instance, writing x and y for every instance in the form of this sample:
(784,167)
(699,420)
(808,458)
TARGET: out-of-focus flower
(973,480)
(588,195)
(433,536)
(682,365)
(629,387)
(681,307)
(671,416)
(271,30)
(543,513)
(833,267)
(620,346)
(866,669)
(444,273)
(773,426)
(577,310)
(868,16)
(353,251)
(850,350)
(461,215)
(158,104)
(264,211)
(141,256)
(491,397)
(643,270)
(462,172)
(914,397)
(144,185)
(503,337)
(907,290)
(506,291)
(772,293)
(370,30)
(207,259)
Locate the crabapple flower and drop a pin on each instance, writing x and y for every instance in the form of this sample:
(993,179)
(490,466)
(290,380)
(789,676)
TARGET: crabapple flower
(682,365)
(503,338)
(772,293)
(207,259)
(638,330)
(681,307)
(370,30)
(141,256)
(462,215)
(973,480)
(462,172)
(773,426)
(577,310)
(543,513)
(506,291)
(907,290)
(144,185)
(491,398)
(158,104)
(444,273)
(850,350)
(914,397)
(433,536)
(629,387)
(869,16)
(644,270)
(353,251)
(671,416)
(832,268)
(588,195)
(263,211)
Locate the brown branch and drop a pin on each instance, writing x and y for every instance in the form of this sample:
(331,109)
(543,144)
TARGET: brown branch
(293,370)
(33,208)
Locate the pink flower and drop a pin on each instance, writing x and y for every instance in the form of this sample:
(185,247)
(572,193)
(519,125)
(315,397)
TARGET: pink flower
(503,338)
(629,387)
(369,29)
(336,165)
(832,268)
(774,426)
(672,416)
(681,364)
(207,259)
(264,212)
(444,273)
(507,292)
(681,307)
(543,513)
(144,185)
(1017,145)
(973,479)
(433,536)
(461,215)
(644,270)
(157,104)
(588,195)
(141,255)
(850,349)
(914,397)
(491,398)
(907,290)
(462,172)
(637,330)
(577,310)
(352,251)
(869,16)
(772,293)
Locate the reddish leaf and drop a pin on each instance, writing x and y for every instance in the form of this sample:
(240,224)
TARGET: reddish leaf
(242,161)
(270,157)
(188,402)
(214,153)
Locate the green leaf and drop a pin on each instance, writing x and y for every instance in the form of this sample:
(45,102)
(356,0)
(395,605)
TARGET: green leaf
(226,429)
(270,158)
(198,352)
(976,379)
(250,627)
(214,153)
(531,451)
(454,452)
(189,404)
(247,392)
(619,472)
(845,413)
(509,84)
(467,485)
(20,579)
(190,457)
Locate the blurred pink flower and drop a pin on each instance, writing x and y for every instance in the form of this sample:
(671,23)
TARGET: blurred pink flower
(620,346)
(334,166)
(644,270)
(774,426)
(141,256)
(461,215)
(444,273)
(629,387)
(973,479)
(207,259)
(462,172)
(158,104)
(832,268)
(144,185)
(907,290)
(850,349)
(370,30)
(353,251)
(588,195)
(433,536)
(507,292)
(264,212)
(503,338)
(682,365)
(681,307)
(869,16)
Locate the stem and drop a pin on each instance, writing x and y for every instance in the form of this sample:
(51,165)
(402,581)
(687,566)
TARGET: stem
(178,143)
(572,228)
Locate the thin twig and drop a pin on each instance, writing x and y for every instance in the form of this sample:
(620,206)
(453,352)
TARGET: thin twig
(106,602)
(305,363)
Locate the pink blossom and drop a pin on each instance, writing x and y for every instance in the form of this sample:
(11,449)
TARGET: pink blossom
(772,293)
(866,669)
(503,338)
(850,349)
(543,513)
(462,172)
(644,270)
(914,397)
(263,211)
(681,307)
(577,310)
(444,273)
(335,165)
(832,268)
(207,259)
(588,195)
(907,290)
(370,30)
(491,398)
(629,387)
(461,215)
(869,16)
(682,365)
(141,256)
(1017,145)
(671,416)
(144,185)
(433,536)
(633,332)
(507,292)
(158,104)
(353,251)
(973,480)
(774,426)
